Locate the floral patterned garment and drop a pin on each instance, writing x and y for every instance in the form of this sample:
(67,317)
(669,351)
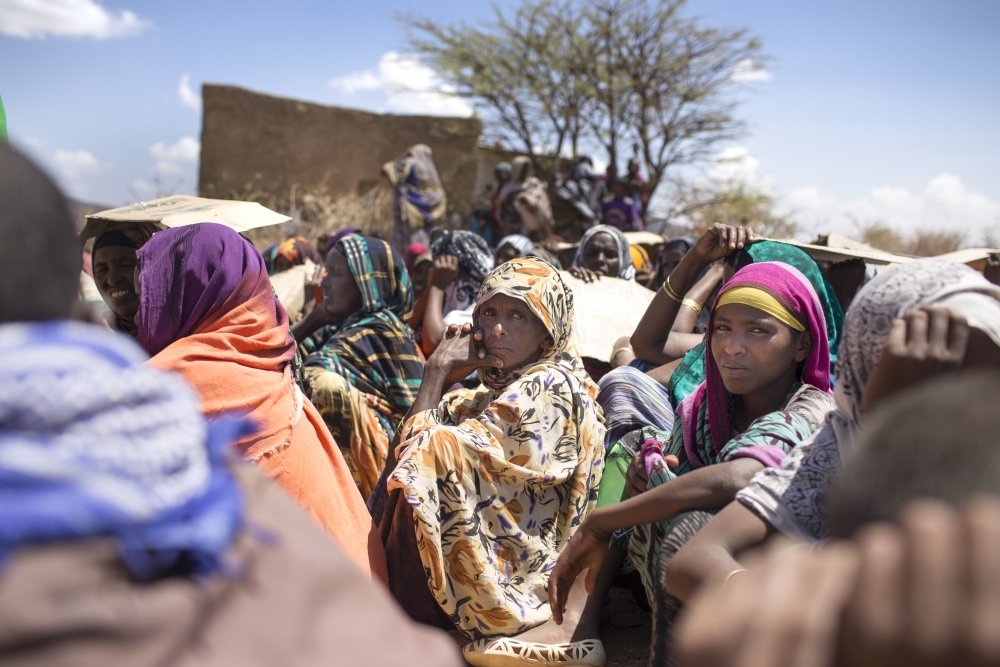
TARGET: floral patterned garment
(500,478)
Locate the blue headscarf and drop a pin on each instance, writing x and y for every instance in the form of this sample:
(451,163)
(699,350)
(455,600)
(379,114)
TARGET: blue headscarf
(95,444)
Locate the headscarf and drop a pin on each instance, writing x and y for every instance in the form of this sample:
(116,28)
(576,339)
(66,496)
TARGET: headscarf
(414,252)
(519,242)
(792,497)
(474,261)
(705,414)
(296,250)
(625,270)
(538,285)
(691,371)
(374,349)
(189,276)
(128,456)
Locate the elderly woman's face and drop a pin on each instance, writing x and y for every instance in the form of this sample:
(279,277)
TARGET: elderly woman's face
(511,331)
(601,255)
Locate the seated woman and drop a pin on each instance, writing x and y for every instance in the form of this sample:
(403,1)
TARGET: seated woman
(363,367)
(603,251)
(671,365)
(290,252)
(208,313)
(491,484)
(767,390)
(791,498)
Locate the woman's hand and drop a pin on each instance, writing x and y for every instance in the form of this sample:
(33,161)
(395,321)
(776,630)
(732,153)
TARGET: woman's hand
(584,274)
(585,551)
(721,240)
(923,344)
(444,272)
(460,352)
(636,479)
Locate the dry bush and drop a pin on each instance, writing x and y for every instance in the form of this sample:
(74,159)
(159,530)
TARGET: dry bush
(920,243)
(315,212)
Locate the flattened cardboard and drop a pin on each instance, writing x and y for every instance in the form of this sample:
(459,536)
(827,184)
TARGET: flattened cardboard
(180,210)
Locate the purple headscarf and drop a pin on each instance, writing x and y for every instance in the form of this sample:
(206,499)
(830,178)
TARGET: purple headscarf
(786,284)
(191,275)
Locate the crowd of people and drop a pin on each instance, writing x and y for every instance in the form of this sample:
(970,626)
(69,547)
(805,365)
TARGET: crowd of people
(421,467)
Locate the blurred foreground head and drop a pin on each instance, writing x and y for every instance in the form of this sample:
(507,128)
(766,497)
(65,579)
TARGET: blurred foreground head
(41,268)
(940,441)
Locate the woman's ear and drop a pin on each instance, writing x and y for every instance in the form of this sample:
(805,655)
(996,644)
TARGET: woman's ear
(803,346)
(547,344)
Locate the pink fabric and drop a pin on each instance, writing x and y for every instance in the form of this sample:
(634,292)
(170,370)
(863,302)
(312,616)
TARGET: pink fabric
(787,284)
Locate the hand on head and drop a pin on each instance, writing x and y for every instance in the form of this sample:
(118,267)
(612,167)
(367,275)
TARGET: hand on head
(444,271)
(719,240)
(584,274)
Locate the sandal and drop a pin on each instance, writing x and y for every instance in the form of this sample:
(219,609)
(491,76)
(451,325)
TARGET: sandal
(508,652)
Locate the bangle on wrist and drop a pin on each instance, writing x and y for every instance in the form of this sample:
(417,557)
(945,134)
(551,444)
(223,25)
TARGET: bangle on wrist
(670,292)
(733,574)
(693,305)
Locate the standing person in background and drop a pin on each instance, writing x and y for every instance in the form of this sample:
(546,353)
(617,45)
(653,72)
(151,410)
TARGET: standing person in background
(619,210)
(419,201)
(637,187)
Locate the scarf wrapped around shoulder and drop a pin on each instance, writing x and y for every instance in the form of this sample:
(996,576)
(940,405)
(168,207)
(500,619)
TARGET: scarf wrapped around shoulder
(374,349)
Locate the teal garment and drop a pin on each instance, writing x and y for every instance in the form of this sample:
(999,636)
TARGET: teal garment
(691,371)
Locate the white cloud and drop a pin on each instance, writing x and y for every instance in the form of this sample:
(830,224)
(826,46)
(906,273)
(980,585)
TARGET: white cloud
(189,97)
(37,19)
(356,82)
(408,86)
(734,163)
(943,204)
(177,157)
(75,164)
(748,71)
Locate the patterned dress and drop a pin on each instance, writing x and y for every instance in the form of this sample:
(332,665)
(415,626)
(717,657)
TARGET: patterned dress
(498,479)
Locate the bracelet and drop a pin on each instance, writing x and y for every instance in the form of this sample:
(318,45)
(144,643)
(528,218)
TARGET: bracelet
(669,290)
(693,305)
(733,573)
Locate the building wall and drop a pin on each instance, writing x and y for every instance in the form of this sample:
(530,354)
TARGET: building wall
(259,146)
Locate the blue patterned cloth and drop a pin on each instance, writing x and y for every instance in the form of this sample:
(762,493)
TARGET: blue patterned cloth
(93,443)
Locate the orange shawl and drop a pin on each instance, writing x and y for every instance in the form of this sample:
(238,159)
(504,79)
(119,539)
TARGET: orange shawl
(237,363)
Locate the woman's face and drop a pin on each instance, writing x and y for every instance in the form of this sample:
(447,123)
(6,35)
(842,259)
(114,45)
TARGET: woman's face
(601,255)
(511,331)
(341,296)
(419,275)
(754,351)
(114,275)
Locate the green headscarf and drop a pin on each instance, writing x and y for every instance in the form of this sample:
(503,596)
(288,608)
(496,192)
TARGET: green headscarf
(691,371)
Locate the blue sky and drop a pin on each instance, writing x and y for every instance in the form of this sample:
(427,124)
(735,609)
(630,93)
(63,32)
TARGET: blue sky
(868,110)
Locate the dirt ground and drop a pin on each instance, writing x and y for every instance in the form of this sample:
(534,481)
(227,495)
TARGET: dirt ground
(625,630)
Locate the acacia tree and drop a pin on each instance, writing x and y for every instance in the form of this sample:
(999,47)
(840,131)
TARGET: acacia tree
(558,76)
